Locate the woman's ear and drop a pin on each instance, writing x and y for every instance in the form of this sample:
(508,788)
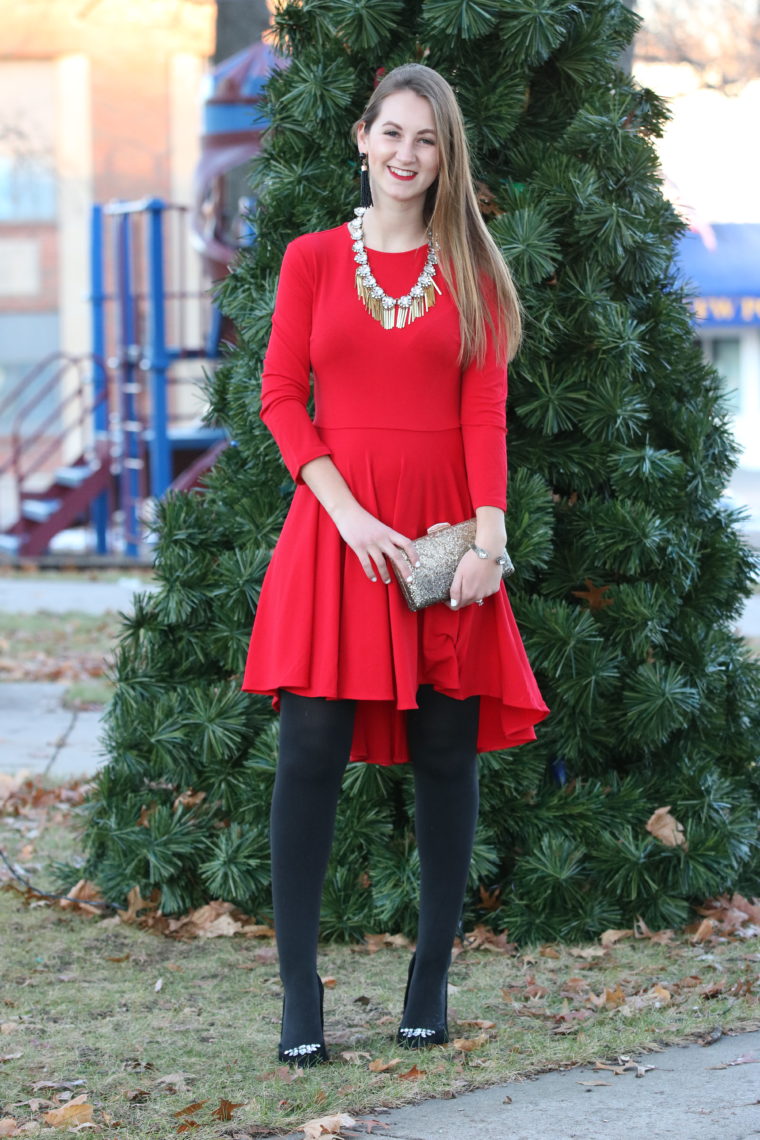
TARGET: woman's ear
(361,136)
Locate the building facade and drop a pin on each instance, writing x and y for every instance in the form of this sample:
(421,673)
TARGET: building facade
(98,100)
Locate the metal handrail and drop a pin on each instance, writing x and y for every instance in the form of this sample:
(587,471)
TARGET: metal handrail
(21,443)
(31,376)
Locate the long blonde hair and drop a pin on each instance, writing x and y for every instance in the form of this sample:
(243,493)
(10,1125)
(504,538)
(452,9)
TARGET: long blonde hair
(451,210)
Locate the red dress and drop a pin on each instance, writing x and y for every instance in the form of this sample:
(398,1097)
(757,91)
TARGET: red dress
(419,440)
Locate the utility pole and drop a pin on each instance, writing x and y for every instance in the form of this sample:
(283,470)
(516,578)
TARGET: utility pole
(238,24)
(626,57)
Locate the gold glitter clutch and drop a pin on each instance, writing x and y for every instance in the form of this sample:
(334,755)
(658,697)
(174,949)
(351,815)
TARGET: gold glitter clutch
(439,554)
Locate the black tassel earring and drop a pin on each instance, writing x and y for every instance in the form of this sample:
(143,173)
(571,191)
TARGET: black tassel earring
(365,194)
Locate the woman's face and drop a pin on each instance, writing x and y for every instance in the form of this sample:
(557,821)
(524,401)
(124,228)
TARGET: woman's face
(401,148)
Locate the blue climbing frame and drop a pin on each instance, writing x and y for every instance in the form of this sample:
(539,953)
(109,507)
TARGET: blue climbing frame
(135,247)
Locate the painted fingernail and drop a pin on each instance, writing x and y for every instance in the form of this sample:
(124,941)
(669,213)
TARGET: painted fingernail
(418,563)
(410,578)
(454,602)
(373,579)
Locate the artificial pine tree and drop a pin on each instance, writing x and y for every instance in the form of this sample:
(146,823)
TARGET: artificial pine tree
(630,570)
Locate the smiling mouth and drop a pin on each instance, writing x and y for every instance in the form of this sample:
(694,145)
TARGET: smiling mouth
(405,175)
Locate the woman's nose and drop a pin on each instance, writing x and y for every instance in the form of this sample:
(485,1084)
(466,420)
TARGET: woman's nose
(405,151)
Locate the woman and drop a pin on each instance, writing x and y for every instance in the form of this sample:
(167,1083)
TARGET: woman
(404,315)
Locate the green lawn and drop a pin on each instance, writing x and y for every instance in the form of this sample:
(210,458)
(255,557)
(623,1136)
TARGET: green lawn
(146,1025)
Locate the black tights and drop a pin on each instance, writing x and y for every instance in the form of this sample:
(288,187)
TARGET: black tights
(315,741)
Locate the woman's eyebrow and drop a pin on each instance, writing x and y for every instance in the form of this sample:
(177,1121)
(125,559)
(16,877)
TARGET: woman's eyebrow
(421,131)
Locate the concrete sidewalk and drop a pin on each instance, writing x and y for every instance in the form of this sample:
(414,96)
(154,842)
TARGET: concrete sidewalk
(31,595)
(691,1092)
(38,736)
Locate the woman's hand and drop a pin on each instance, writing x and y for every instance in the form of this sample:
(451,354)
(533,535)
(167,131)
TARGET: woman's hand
(475,579)
(374,543)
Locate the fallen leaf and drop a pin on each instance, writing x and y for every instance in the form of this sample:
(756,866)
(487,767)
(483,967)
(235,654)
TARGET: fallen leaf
(640,928)
(327,1126)
(190,1108)
(225,1109)
(412,1074)
(175,1080)
(479,1024)
(704,931)
(483,938)
(662,937)
(592,1083)
(490,900)
(573,1015)
(258,930)
(662,825)
(8,1126)
(399,940)
(354,1057)
(549,952)
(618,1070)
(77,1111)
(660,992)
(467,1044)
(371,944)
(222,927)
(587,951)
(613,998)
(573,987)
(379,1066)
(80,894)
(610,937)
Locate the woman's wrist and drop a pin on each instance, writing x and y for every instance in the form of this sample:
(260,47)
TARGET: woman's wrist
(328,485)
(491,531)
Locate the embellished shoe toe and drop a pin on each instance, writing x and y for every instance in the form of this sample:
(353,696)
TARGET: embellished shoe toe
(314,1052)
(304,1056)
(419,1036)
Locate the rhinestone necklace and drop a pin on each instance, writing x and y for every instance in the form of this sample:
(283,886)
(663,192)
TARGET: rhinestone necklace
(392,312)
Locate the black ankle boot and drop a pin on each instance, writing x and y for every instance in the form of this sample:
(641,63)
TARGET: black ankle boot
(418,1036)
(311,1053)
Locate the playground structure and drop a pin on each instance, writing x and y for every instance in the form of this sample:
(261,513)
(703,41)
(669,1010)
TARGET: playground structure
(96,439)
(103,434)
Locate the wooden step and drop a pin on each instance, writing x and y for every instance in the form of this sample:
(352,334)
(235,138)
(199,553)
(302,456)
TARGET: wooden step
(73,476)
(10,543)
(39,510)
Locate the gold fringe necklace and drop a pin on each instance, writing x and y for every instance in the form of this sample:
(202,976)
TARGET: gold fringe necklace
(392,312)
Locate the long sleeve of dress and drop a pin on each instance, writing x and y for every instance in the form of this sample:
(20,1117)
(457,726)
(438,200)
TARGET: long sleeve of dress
(285,383)
(484,429)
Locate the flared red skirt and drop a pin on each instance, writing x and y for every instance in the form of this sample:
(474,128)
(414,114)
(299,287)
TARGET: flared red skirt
(322,628)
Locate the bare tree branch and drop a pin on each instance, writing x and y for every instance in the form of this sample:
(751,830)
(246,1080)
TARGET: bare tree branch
(720,39)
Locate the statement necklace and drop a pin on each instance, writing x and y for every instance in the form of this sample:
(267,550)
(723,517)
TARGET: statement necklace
(392,312)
